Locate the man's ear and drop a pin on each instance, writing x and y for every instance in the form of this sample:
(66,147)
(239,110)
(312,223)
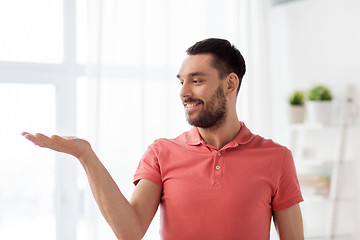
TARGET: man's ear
(232,83)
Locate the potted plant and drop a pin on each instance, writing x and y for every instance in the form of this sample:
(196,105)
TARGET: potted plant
(296,111)
(319,105)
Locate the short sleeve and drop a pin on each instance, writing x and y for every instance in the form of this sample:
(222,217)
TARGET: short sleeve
(288,191)
(148,167)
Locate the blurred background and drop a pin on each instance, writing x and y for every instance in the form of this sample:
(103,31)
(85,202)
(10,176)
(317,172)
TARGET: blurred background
(104,70)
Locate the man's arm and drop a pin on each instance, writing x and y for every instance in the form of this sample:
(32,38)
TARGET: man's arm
(128,220)
(288,223)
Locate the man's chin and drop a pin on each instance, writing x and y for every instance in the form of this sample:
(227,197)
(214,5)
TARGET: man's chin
(204,123)
(197,123)
(191,121)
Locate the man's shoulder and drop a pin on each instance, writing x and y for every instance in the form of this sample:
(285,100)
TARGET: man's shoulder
(262,142)
(267,148)
(247,139)
(179,140)
(172,148)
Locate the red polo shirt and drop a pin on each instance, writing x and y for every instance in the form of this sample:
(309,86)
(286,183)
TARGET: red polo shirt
(220,194)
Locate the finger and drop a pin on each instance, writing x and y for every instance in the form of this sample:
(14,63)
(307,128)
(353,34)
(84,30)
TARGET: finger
(41,136)
(56,138)
(60,141)
(34,138)
(63,138)
(43,141)
(38,139)
(29,136)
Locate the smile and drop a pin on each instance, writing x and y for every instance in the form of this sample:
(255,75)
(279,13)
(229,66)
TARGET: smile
(190,106)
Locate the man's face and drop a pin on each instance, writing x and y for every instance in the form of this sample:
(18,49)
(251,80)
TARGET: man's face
(202,91)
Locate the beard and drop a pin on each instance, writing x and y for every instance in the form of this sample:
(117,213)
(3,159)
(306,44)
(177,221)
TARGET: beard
(212,113)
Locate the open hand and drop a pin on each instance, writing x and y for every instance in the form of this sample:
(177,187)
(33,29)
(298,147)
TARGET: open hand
(72,145)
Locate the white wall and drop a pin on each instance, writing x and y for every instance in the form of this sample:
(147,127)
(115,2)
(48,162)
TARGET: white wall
(314,42)
(311,42)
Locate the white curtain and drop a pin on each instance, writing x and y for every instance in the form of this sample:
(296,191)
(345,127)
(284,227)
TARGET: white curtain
(256,98)
(129,94)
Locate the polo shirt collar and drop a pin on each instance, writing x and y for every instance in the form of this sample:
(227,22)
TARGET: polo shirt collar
(193,137)
(245,136)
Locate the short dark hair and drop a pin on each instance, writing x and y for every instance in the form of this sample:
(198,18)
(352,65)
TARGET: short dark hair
(227,58)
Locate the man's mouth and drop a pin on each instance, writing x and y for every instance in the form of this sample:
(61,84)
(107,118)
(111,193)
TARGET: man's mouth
(191,105)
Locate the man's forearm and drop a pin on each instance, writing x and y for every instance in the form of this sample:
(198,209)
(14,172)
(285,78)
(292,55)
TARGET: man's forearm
(116,209)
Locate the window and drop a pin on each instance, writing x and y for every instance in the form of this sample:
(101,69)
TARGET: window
(27,174)
(114,77)
(31,31)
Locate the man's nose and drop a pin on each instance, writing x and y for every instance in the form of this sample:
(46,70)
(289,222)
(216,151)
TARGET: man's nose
(186,90)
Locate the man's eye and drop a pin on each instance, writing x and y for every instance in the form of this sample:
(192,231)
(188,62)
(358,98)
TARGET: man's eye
(181,83)
(196,81)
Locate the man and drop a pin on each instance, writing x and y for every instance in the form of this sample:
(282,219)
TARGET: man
(217,181)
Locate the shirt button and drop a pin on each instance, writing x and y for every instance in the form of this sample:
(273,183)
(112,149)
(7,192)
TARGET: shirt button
(217,167)
(219,154)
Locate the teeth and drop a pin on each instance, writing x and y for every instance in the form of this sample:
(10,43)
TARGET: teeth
(190,105)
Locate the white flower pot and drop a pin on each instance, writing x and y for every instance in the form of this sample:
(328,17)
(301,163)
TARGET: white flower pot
(319,112)
(296,114)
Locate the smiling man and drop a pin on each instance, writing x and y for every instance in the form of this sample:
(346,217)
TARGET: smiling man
(216,181)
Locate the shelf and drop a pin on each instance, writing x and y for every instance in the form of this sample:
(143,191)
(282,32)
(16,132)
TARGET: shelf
(311,126)
(306,126)
(325,164)
(313,162)
(304,163)
(322,237)
(312,197)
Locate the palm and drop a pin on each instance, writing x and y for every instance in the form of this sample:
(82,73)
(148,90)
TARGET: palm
(71,145)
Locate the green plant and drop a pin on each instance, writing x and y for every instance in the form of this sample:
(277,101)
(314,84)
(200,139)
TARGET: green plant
(320,93)
(297,98)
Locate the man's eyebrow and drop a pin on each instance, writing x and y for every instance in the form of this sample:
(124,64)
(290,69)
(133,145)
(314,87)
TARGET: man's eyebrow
(193,74)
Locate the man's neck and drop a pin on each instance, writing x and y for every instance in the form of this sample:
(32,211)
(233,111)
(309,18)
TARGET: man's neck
(219,136)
